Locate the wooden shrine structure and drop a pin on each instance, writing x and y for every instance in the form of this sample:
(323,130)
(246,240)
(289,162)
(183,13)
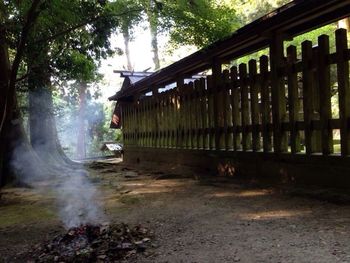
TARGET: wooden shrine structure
(270,118)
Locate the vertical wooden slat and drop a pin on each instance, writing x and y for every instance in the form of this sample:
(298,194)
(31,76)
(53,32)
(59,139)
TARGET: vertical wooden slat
(136,121)
(161,120)
(254,99)
(280,141)
(195,117)
(187,116)
(131,118)
(125,123)
(148,118)
(211,115)
(166,120)
(141,122)
(134,128)
(172,118)
(293,100)
(316,138)
(235,98)
(179,83)
(132,125)
(225,106)
(217,107)
(204,113)
(153,119)
(197,114)
(246,139)
(177,117)
(190,115)
(307,94)
(265,103)
(182,119)
(343,89)
(324,83)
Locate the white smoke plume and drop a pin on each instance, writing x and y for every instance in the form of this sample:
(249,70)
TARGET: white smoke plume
(76,197)
(77,200)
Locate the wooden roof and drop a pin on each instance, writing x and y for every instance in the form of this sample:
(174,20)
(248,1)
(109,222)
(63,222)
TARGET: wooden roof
(292,19)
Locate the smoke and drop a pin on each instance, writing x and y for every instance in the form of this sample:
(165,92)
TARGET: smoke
(45,169)
(76,197)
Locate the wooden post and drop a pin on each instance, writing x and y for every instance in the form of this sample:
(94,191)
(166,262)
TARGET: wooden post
(254,102)
(324,83)
(307,95)
(236,118)
(343,90)
(316,137)
(280,142)
(265,103)
(293,100)
(246,138)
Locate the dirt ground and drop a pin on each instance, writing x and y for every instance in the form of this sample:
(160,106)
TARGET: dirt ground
(207,220)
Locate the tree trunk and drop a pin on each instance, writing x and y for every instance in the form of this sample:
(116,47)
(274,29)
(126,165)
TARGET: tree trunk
(126,37)
(81,150)
(43,133)
(153,25)
(154,45)
(4,82)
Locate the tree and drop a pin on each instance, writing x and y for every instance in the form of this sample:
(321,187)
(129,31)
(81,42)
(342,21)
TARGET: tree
(11,130)
(94,27)
(46,30)
(128,21)
(198,22)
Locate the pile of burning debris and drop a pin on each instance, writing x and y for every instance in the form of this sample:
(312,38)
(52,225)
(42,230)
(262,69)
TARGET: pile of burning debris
(90,243)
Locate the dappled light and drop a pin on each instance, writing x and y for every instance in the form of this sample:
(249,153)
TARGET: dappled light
(241,193)
(275,214)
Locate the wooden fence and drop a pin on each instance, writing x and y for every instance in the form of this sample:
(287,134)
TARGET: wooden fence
(277,105)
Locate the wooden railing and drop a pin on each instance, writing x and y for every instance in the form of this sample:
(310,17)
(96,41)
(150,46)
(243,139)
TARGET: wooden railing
(277,105)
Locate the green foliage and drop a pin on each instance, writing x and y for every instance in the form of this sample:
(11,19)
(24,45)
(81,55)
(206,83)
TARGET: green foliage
(313,37)
(250,10)
(76,65)
(131,15)
(198,22)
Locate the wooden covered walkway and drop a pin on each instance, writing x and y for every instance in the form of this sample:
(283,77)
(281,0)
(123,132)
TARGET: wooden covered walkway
(270,118)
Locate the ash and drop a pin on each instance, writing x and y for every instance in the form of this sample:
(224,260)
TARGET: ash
(93,243)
